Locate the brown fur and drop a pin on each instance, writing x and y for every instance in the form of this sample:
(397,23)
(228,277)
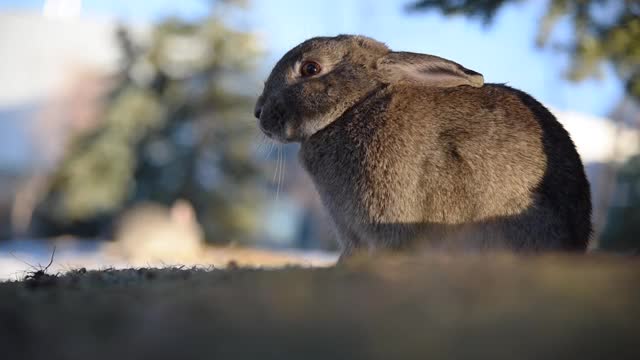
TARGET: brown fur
(421,153)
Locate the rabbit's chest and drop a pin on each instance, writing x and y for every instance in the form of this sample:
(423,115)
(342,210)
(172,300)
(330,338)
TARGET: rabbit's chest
(363,184)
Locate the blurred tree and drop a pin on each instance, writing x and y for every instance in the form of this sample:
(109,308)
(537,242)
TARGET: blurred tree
(623,222)
(622,187)
(177,126)
(603,31)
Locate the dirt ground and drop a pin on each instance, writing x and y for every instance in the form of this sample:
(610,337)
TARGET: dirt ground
(447,306)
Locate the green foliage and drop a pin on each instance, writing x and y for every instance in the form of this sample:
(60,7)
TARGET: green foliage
(177,125)
(604,31)
(485,9)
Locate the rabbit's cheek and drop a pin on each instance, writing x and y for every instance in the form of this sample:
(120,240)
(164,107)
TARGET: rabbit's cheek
(313,87)
(332,91)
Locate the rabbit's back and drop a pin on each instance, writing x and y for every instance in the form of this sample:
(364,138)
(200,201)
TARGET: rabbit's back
(524,164)
(489,164)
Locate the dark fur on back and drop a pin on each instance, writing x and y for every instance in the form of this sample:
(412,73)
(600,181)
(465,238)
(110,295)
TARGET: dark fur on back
(566,187)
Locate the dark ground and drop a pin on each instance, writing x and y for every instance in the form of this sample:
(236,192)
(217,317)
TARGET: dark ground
(492,306)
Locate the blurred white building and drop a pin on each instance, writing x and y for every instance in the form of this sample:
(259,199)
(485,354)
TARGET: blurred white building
(42,59)
(54,72)
(603,145)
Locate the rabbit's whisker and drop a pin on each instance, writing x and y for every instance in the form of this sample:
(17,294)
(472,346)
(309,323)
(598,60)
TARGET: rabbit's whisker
(284,165)
(271,146)
(262,142)
(279,171)
(275,173)
(281,174)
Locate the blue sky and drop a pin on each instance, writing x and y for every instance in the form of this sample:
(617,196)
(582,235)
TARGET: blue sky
(502,52)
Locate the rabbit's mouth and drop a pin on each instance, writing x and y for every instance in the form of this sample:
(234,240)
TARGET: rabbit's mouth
(278,123)
(279,129)
(293,131)
(285,135)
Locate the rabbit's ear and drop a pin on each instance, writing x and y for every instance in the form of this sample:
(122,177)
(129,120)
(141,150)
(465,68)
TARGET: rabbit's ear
(426,69)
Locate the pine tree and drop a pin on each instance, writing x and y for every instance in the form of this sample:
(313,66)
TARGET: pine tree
(177,125)
(605,31)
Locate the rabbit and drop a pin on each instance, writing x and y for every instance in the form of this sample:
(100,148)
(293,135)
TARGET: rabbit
(410,150)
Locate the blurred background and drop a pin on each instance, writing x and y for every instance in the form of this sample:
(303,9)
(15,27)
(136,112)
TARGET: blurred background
(127,135)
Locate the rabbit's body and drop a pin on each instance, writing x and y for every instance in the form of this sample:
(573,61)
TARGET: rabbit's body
(451,174)
(413,150)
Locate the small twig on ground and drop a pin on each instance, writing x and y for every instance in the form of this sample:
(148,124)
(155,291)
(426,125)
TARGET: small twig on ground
(39,276)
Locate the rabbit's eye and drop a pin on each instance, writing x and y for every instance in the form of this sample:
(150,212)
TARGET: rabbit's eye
(310,68)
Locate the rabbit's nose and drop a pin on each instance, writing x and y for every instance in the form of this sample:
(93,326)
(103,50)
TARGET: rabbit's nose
(257,112)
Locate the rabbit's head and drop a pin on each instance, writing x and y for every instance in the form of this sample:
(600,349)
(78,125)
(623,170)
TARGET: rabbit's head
(317,81)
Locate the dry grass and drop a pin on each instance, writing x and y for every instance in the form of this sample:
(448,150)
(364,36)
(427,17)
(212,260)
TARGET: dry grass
(491,306)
